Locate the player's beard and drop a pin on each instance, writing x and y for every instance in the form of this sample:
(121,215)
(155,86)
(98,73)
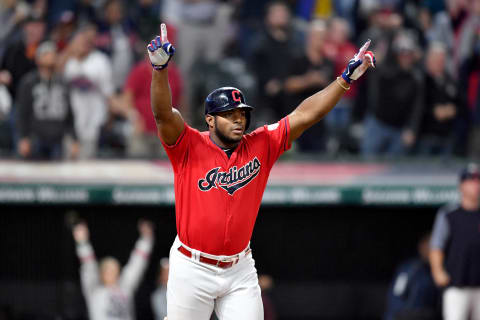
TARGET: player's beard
(225,140)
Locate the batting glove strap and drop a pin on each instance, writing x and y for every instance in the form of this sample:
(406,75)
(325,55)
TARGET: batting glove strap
(350,69)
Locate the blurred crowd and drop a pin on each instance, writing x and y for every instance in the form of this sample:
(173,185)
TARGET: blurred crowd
(75,79)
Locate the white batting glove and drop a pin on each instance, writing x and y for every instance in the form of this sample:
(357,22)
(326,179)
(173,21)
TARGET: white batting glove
(160,50)
(359,64)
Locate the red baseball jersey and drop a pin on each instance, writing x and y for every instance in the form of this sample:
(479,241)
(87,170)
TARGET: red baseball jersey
(217,198)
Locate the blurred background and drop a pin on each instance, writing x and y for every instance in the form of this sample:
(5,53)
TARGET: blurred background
(353,200)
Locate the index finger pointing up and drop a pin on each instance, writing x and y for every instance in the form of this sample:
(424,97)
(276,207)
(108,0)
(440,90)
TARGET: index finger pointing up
(163,33)
(362,50)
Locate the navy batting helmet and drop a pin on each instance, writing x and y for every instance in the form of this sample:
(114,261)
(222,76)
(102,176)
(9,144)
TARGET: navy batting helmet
(224,99)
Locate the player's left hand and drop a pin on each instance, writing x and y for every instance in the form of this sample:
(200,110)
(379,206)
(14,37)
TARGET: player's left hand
(359,64)
(160,50)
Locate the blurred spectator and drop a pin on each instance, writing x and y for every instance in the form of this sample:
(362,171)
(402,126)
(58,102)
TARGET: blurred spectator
(308,74)
(108,290)
(115,38)
(19,58)
(470,75)
(446,26)
(337,46)
(345,9)
(159,296)
(63,30)
(250,17)
(412,293)
(6,138)
(89,74)
(202,33)
(394,91)
(455,250)
(44,113)
(425,26)
(442,101)
(340,50)
(12,13)
(171,12)
(469,42)
(84,10)
(145,14)
(144,140)
(383,26)
(266,284)
(275,46)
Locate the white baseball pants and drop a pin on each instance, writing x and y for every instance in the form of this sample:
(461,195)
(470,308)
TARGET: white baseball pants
(196,289)
(458,303)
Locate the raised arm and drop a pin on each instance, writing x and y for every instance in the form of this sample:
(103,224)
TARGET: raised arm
(315,107)
(89,268)
(137,263)
(169,121)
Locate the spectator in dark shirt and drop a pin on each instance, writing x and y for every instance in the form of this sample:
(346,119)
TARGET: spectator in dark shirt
(44,114)
(19,58)
(310,73)
(469,76)
(145,15)
(394,92)
(272,51)
(455,250)
(442,100)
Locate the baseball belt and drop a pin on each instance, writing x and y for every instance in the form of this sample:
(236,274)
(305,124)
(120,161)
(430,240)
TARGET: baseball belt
(224,264)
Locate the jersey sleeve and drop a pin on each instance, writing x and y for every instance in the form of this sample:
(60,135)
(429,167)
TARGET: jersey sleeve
(178,152)
(441,229)
(277,136)
(89,273)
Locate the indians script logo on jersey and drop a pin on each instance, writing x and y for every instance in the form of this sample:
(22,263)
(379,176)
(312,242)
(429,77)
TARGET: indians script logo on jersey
(232,180)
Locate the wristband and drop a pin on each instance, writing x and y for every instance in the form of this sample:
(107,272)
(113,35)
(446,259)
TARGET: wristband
(342,85)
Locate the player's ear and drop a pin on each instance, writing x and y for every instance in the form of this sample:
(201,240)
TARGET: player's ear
(210,120)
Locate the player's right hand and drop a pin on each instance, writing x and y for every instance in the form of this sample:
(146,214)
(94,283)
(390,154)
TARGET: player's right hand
(160,50)
(441,278)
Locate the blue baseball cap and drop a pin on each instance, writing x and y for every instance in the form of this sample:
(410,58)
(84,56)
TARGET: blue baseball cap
(471,171)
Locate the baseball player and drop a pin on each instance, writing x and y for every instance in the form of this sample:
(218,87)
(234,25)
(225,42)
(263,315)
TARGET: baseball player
(455,250)
(220,176)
